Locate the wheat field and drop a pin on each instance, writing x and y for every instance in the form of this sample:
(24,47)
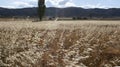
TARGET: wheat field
(60,43)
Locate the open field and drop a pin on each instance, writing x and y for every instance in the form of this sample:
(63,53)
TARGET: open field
(59,44)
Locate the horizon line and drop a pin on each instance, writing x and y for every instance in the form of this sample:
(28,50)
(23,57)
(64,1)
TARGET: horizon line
(60,7)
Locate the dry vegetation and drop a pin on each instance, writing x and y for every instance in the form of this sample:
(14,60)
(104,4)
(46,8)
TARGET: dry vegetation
(60,44)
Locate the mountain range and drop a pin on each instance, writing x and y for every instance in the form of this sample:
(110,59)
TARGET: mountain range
(62,12)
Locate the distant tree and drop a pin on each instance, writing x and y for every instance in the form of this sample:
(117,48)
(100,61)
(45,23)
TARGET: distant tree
(41,9)
(74,18)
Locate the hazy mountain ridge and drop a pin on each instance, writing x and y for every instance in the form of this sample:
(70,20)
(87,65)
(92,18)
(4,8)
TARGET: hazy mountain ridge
(62,12)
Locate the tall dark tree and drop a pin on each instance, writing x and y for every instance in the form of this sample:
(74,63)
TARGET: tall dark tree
(41,9)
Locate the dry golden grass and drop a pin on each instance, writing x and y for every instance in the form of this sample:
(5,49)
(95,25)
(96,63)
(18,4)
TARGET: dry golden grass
(60,44)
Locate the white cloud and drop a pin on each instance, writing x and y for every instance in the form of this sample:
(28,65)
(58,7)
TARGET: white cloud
(61,3)
(33,3)
(53,3)
(22,4)
(70,4)
(93,6)
(8,6)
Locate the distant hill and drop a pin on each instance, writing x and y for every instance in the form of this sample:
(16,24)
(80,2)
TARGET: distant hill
(62,12)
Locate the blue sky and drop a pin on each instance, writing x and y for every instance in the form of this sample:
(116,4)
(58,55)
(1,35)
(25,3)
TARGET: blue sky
(62,3)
